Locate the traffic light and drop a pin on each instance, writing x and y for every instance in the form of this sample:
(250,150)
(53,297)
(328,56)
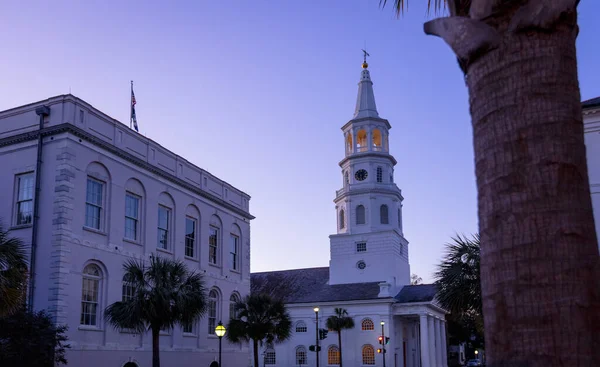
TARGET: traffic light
(312,348)
(381,350)
(323,333)
(387,340)
(378,350)
(380,340)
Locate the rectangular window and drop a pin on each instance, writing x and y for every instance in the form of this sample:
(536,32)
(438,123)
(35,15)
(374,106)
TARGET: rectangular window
(132,216)
(190,237)
(379,174)
(213,245)
(93,204)
(164,215)
(188,328)
(361,247)
(233,252)
(24,202)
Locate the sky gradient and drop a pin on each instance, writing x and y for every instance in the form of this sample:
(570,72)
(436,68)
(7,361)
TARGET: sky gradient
(256,93)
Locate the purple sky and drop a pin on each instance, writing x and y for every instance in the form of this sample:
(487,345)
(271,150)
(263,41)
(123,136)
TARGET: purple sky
(256,92)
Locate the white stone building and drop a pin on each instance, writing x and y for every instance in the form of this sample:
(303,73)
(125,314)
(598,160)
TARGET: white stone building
(107,194)
(369,272)
(591,125)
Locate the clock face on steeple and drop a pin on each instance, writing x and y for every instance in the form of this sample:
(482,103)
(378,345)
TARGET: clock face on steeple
(361,174)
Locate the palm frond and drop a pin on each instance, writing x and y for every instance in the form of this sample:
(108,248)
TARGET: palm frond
(400,6)
(13,273)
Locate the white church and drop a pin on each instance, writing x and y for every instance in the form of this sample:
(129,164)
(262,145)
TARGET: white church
(369,272)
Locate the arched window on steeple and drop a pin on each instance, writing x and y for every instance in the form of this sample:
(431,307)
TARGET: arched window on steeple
(377,140)
(342,219)
(361,141)
(346,178)
(383,214)
(400,218)
(360,214)
(349,147)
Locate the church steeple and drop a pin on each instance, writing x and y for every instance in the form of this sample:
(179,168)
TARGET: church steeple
(369,245)
(365,101)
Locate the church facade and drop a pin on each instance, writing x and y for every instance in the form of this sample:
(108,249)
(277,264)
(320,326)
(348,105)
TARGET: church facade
(369,272)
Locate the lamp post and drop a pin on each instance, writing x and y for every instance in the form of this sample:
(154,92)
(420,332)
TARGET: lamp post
(316,309)
(220,331)
(383,343)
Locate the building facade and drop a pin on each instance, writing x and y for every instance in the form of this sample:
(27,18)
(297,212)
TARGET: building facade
(106,194)
(591,125)
(369,272)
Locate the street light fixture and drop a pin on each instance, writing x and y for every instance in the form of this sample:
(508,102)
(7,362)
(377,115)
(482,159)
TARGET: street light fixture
(316,309)
(220,331)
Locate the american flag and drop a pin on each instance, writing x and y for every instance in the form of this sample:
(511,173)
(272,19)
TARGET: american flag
(133,118)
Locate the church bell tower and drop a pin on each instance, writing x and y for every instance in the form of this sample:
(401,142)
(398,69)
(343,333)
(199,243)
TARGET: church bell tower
(369,245)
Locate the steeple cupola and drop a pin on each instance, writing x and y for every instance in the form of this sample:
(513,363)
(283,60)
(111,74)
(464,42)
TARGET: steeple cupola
(365,101)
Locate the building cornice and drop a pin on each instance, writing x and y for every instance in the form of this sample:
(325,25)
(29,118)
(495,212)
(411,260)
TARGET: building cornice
(382,300)
(368,190)
(367,119)
(70,128)
(368,155)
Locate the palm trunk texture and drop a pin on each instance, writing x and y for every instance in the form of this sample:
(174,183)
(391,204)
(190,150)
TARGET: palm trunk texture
(155,347)
(255,345)
(539,252)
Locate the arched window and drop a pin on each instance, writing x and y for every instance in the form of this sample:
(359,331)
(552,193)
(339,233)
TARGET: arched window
(213,310)
(367,324)
(270,356)
(379,174)
(346,178)
(232,302)
(368,355)
(301,356)
(127,288)
(360,214)
(342,219)
(349,149)
(376,139)
(333,355)
(301,327)
(90,295)
(361,140)
(383,214)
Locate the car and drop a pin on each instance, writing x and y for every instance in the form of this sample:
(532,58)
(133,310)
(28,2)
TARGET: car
(474,363)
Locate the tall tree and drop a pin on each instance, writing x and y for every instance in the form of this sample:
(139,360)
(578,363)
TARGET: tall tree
(31,339)
(13,273)
(260,319)
(338,322)
(540,269)
(415,279)
(162,294)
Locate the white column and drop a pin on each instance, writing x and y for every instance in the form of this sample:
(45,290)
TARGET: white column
(438,342)
(444,346)
(424,341)
(431,342)
(399,343)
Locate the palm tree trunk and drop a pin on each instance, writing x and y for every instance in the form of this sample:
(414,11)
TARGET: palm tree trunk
(340,345)
(255,347)
(155,347)
(539,252)
(540,269)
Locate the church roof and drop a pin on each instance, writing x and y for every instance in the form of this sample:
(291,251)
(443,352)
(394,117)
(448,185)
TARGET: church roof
(594,102)
(309,285)
(417,293)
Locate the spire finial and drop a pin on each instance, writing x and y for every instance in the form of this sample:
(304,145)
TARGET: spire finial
(365,64)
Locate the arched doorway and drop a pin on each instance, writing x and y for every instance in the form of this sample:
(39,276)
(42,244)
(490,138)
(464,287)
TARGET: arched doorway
(130,364)
(214,364)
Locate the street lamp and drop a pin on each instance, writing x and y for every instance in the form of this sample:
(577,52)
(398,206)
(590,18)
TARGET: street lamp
(220,331)
(383,342)
(316,309)
(476,354)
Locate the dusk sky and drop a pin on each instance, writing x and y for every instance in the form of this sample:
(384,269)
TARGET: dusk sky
(256,92)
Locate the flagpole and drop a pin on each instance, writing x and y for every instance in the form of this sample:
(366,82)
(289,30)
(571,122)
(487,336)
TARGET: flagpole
(131,107)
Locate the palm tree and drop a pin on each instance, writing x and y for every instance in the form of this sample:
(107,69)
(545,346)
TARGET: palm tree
(338,322)
(415,279)
(162,295)
(261,319)
(13,273)
(539,250)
